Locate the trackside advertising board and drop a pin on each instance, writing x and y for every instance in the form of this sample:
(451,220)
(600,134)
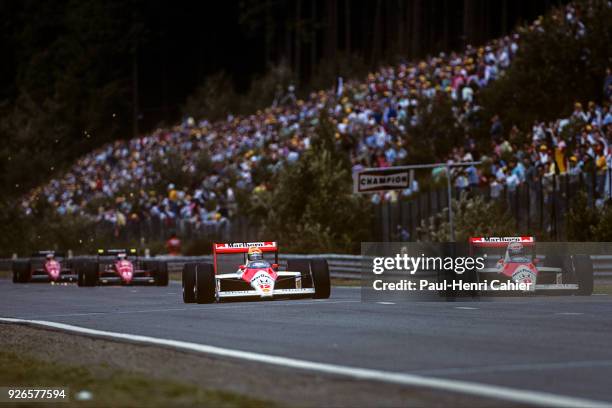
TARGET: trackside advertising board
(372,180)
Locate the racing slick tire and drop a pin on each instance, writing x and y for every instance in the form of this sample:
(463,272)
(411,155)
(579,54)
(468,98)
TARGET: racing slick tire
(161,273)
(302,266)
(87,273)
(188,279)
(21,271)
(583,271)
(320,278)
(205,288)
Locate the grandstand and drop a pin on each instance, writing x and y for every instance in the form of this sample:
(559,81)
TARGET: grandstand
(123,183)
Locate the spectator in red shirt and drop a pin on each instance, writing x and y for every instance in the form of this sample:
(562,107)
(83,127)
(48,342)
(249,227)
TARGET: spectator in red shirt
(173,245)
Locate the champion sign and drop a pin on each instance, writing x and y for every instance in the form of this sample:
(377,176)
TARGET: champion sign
(381,180)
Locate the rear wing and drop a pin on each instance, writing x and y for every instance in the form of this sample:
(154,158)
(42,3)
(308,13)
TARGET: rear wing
(117,251)
(44,253)
(243,247)
(500,242)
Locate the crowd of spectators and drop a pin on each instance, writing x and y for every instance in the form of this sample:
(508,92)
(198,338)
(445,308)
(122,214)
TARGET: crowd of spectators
(124,182)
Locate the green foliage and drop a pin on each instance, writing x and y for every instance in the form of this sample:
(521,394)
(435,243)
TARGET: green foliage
(214,99)
(312,207)
(172,168)
(473,216)
(44,230)
(69,90)
(436,132)
(217,96)
(553,68)
(586,223)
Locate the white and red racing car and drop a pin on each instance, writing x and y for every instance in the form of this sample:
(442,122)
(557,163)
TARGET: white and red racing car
(251,270)
(514,259)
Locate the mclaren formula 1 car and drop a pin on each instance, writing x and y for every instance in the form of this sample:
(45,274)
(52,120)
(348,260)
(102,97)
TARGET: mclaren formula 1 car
(251,270)
(514,259)
(44,266)
(121,267)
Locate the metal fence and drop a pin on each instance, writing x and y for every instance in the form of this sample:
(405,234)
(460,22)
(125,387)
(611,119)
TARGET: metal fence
(537,206)
(153,229)
(352,266)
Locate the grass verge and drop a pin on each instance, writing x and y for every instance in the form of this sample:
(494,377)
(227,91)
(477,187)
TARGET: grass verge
(113,387)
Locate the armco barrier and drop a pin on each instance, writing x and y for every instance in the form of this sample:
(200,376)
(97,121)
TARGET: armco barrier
(351,266)
(343,266)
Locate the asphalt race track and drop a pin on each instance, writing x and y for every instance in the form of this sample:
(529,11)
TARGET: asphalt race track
(558,345)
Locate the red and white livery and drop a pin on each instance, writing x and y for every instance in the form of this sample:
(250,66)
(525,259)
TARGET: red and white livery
(514,259)
(251,270)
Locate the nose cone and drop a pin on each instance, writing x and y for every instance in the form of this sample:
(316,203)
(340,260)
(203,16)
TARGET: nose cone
(53,270)
(263,283)
(126,270)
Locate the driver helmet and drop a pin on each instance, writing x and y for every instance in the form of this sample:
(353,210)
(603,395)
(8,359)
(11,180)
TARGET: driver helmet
(121,256)
(50,255)
(255,254)
(515,249)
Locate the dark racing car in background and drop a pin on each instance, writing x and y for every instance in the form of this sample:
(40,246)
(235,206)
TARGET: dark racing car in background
(44,266)
(515,259)
(251,270)
(121,267)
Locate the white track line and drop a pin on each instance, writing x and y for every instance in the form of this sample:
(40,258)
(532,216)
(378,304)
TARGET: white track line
(208,308)
(517,367)
(464,387)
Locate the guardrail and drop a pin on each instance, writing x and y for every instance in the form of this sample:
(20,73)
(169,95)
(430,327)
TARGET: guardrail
(345,266)
(351,266)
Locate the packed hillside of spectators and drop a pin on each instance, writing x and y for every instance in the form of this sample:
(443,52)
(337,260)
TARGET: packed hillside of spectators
(123,182)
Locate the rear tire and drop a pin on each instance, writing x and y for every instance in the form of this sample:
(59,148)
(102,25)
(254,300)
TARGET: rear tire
(205,288)
(87,273)
(320,278)
(189,283)
(21,271)
(161,273)
(583,270)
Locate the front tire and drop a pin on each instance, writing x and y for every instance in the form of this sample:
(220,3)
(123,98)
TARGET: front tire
(161,274)
(188,280)
(320,278)
(205,287)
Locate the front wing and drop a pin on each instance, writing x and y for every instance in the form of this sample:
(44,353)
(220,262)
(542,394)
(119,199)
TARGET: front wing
(285,292)
(540,286)
(111,278)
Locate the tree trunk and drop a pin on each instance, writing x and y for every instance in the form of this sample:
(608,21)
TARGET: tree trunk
(314,37)
(416,27)
(468,21)
(298,39)
(269,33)
(347,26)
(377,34)
(135,101)
(332,29)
